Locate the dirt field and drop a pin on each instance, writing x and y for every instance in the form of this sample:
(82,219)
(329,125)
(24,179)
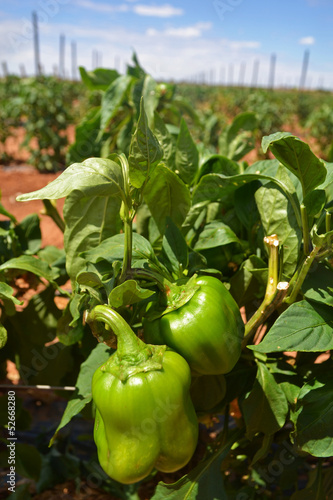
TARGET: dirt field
(15,180)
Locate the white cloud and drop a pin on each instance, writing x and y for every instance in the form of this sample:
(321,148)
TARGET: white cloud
(244,45)
(307,40)
(194,31)
(165,57)
(165,10)
(102,7)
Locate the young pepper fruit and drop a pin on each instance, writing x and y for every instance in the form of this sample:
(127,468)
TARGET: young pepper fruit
(207,330)
(145,418)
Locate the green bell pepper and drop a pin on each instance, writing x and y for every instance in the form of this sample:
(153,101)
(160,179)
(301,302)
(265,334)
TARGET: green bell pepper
(145,418)
(207,330)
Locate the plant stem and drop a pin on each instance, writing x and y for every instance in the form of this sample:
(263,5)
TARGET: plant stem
(149,275)
(301,276)
(127,250)
(306,232)
(127,215)
(275,291)
(128,343)
(328,220)
(51,210)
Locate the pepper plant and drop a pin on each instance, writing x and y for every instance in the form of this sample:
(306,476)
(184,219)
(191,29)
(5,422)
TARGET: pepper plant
(152,235)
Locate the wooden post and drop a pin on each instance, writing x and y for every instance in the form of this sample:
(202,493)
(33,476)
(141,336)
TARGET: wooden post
(222,76)
(272,71)
(36,44)
(242,74)
(255,73)
(4,68)
(230,74)
(305,66)
(23,71)
(74,60)
(62,56)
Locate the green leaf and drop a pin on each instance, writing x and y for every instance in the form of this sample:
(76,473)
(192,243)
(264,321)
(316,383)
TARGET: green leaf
(29,233)
(6,293)
(244,284)
(86,144)
(166,141)
(313,418)
(297,156)
(137,71)
(214,235)
(99,79)
(83,394)
(145,151)
(278,217)
(314,489)
(174,248)
(314,202)
(218,187)
(31,329)
(322,240)
(236,141)
(112,99)
(89,221)
(265,408)
(112,249)
(318,284)
(218,164)
(150,98)
(3,336)
(204,481)
(304,326)
(264,450)
(128,293)
(245,205)
(167,196)
(95,176)
(33,265)
(187,156)
(243,121)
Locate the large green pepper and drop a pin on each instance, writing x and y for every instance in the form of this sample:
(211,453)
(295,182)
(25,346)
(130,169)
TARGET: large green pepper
(207,330)
(145,418)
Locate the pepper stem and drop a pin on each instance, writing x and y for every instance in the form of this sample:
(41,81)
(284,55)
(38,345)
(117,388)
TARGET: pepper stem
(128,344)
(300,276)
(132,356)
(275,290)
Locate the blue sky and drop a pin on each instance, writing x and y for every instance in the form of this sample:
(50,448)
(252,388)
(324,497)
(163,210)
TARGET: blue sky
(216,39)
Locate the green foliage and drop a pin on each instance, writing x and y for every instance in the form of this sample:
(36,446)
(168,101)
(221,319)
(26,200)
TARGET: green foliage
(162,197)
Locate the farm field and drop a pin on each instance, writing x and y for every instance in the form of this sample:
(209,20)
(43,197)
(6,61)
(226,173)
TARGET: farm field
(142,204)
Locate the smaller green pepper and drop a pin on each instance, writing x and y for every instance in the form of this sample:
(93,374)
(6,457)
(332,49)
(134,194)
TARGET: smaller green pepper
(145,418)
(207,330)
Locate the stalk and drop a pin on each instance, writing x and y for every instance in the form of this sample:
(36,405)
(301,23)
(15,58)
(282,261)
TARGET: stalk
(297,284)
(51,210)
(132,355)
(128,344)
(306,232)
(127,251)
(127,215)
(328,221)
(275,291)
(147,274)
